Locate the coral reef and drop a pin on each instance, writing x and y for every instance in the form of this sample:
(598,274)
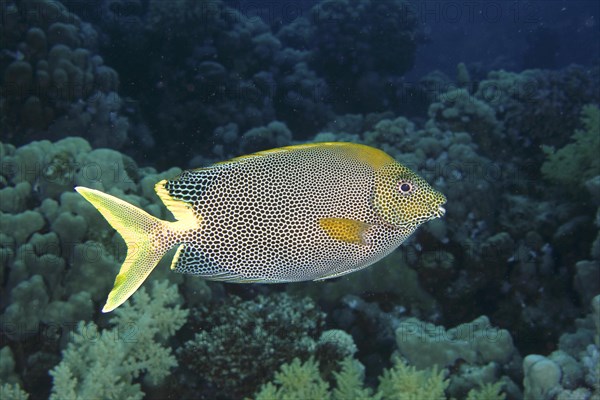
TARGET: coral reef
(72,244)
(10,385)
(275,134)
(106,363)
(576,162)
(239,344)
(537,107)
(227,68)
(459,111)
(572,371)
(303,381)
(59,257)
(403,381)
(477,352)
(55,72)
(392,280)
(12,392)
(297,381)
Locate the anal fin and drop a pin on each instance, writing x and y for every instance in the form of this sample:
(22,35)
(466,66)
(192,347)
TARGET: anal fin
(189,260)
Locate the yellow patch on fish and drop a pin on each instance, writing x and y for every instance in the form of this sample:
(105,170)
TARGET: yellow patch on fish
(307,212)
(346,230)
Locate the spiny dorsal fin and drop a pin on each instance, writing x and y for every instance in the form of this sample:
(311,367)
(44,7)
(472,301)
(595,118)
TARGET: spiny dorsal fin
(367,154)
(181,210)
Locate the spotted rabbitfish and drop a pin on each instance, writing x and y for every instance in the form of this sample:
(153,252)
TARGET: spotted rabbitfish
(298,213)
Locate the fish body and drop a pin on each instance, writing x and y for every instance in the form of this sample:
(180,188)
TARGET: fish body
(307,212)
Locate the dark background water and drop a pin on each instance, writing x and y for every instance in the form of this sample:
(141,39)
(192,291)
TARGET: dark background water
(512,35)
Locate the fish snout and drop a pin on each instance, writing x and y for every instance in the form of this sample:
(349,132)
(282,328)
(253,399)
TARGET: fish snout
(438,210)
(441,211)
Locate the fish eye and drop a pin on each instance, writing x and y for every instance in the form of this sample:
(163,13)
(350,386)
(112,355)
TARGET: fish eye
(405,187)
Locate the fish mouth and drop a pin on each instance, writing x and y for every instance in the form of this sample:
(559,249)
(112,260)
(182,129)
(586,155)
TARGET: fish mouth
(440,212)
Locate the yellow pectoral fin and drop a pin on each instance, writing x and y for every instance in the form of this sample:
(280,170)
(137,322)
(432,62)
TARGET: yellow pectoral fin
(345,230)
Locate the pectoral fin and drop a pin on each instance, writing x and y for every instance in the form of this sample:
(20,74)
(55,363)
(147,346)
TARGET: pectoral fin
(345,230)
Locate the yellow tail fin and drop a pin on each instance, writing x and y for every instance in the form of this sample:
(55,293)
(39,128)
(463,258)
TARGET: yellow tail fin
(143,235)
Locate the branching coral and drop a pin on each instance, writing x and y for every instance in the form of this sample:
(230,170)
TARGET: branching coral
(403,382)
(241,343)
(105,364)
(298,380)
(459,111)
(578,161)
(12,392)
(55,71)
(537,107)
(349,381)
(487,391)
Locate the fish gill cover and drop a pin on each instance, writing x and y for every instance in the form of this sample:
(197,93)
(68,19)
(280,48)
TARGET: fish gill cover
(495,104)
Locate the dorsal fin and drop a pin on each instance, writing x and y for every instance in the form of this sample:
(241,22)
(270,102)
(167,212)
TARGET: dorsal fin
(370,155)
(181,210)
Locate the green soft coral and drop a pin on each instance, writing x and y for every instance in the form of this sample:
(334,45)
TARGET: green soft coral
(578,161)
(104,364)
(487,392)
(404,382)
(349,382)
(12,392)
(297,381)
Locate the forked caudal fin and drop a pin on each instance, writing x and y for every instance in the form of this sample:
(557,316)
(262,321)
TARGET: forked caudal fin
(144,236)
